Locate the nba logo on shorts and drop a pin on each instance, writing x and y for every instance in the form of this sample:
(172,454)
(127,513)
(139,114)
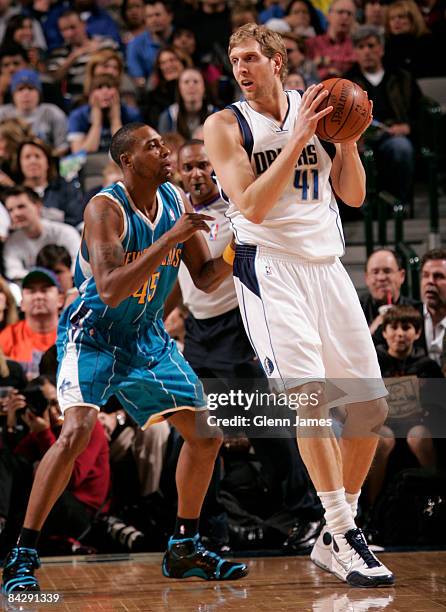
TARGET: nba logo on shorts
(269,366)
(214,231)
(172,214)
(268,270)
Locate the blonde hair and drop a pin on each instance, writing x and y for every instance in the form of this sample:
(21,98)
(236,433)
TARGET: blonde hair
(271,43)
(14,132)
(101,57)
(413,13)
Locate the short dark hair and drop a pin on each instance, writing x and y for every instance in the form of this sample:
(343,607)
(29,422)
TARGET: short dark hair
(68,13)
(13,49)
(399,261)
(166,5)
(432,255)
(123,140)
(403,314)
(51,255)
(190,143)
(19,190)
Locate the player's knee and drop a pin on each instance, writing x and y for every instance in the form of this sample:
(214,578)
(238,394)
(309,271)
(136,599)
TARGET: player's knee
(209,446)
(419,438)
(373,414)
(76,432)
(386,442)
(309,401)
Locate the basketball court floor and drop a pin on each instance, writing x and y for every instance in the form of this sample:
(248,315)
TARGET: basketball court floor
(134,582)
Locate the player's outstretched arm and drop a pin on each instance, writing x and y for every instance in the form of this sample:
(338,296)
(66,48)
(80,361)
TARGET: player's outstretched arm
(116,280)
(255,197)
(207,273)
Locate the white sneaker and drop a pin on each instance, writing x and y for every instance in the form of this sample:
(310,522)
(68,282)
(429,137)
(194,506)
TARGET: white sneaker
(321,553)
(353,562)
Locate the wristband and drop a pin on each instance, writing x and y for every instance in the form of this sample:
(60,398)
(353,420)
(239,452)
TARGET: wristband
(229,255)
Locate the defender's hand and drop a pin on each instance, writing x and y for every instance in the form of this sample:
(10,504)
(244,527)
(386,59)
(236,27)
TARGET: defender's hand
(188,224)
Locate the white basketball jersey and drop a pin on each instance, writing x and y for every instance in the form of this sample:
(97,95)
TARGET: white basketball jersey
(223,299)
(305,220)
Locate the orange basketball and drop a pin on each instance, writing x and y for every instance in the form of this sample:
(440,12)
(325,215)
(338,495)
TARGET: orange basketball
(350,112)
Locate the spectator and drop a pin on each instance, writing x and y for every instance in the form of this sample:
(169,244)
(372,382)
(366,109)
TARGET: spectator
(110,62)
(12,380)
(184,41)
(295,80)
(98,23)
(111,173)
(243,13)
(402,326)
(396,101)
(303,18)
(22,30)
(297,58)
(47,121)
(409,44)
(12,133)
(91,126)
(89,485)
(13,58)
(37,169)
(56,258)
(333,51)
(27,340)
(212,27)
(68,63)
(143,49)
(375,14)
(6,12)
(169,64)
(31,232)
(192,107)
(8,307)
(433,295)
(147,449)
(132,14)
(433,12)
(384,277)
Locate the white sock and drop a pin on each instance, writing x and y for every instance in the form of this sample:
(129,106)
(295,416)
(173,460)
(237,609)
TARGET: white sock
(352,500)
(338,514)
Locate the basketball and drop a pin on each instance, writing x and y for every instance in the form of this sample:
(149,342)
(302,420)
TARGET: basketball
(350,112)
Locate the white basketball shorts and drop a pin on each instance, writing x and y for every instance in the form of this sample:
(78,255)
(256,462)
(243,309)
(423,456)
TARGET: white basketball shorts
(305,322)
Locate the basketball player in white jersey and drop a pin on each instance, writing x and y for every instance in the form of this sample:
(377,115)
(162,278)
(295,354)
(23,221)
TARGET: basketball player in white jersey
(300,309)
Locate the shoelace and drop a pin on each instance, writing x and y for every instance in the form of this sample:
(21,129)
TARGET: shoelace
(26,561)
(360,546)
(207,553)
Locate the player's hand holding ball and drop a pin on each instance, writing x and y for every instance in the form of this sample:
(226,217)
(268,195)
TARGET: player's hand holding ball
(351,112)
(312,110)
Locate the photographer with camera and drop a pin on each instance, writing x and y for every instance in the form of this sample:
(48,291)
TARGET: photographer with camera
(89,485)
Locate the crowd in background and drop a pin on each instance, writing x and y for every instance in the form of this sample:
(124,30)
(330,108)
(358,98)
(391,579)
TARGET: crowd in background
(71,74)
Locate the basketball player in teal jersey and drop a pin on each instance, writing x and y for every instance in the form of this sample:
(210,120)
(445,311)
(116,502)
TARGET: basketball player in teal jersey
(112,341)
(299,306)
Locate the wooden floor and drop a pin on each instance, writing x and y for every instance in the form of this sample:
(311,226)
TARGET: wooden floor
(279,583)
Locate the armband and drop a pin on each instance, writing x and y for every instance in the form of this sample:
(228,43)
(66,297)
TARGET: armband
(229,255)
